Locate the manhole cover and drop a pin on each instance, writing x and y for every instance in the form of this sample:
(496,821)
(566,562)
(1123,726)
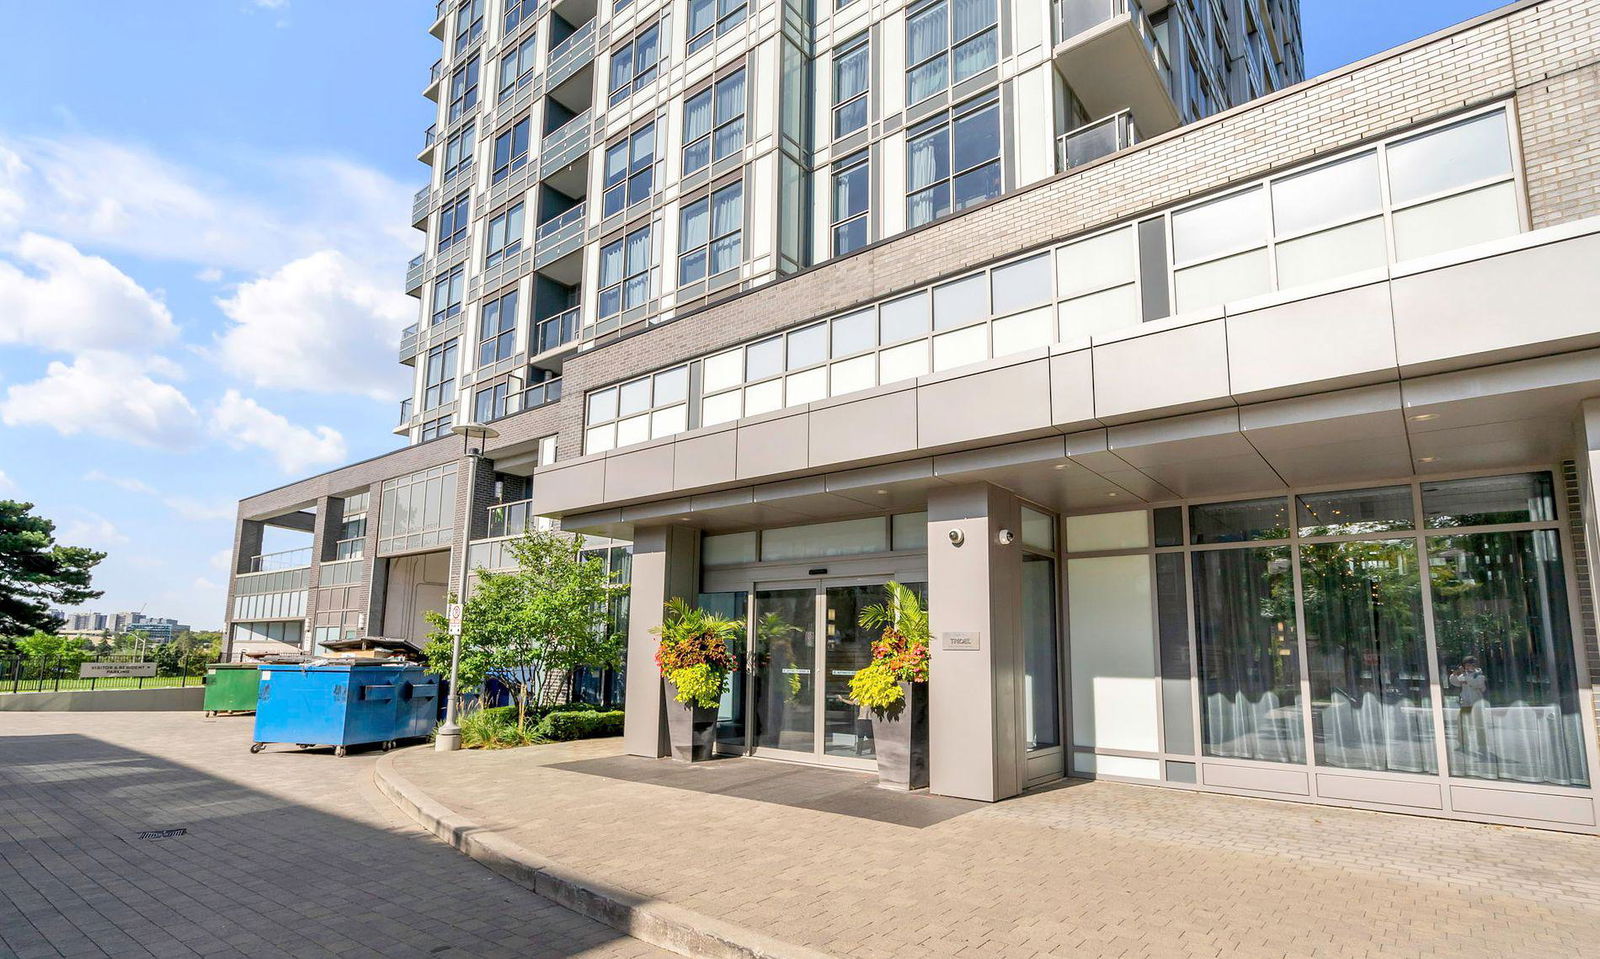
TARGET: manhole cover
(163,833)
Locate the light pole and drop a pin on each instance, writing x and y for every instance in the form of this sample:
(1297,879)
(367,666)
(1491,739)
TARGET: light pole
(449,738)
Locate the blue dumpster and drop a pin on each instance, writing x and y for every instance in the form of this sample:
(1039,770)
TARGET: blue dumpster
(344,705)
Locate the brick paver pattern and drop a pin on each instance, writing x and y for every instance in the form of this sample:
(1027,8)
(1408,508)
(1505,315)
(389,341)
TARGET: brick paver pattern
(286,854)
(1085,870)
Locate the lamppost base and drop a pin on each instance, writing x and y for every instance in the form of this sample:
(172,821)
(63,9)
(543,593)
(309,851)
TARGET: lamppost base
(448,740)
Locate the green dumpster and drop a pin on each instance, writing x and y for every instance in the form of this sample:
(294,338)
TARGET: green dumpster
(231,688)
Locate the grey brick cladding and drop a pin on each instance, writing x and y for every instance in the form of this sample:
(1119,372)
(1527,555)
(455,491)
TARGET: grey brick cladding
(1543,56)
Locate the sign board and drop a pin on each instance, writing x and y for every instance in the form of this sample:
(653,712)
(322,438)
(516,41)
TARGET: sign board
(455,619)
(961,640)
(116,670)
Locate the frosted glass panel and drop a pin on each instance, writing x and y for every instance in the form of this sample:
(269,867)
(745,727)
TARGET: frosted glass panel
(903,362)
(1038,529)
(673,419)
(854,333)
(1230,223)
(808,347)
(1222,281)
(1103,312)
(843,538)
(1456,221)
(763,398)
(722,371)
(852,375)
(807,386)
(1097,531)
(1128,767)
(1336,252)
(722,408)
(910,530)
(603,405)
(1023,332)
(635,429)
(634,397)
(600,438)
(1020,285)
(1113,653)
(956,304)
(728,548)
(970,345)
(1454,156)
(1096,263)
(763,359)
(904,318)
(1331,194)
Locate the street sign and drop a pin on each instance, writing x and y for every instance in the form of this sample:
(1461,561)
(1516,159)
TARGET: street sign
(455,619)
(116,670)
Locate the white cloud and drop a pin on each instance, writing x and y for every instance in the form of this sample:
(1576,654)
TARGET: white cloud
(185,506)
(109,395)
(222,560)
(241,422)
(7,485)
(54,297)
(91,529)
(320,323)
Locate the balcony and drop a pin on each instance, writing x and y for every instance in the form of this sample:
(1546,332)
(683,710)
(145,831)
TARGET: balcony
(353,548)
(286,559)
(421,206)
(410,343)
(416,274)
(570,55)
(555,332)
(441,15)
(566,143)
(435,74)
(514,519)
(429,138)
(404,426)
(558,236)
(1107,52)
(541,394)
(1095,140)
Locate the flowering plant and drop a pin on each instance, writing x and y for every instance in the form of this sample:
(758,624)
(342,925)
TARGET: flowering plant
(694,653)
(901,653)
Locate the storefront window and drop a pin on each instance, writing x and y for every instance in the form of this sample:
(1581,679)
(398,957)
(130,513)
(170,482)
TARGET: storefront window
(1043,722)
(731,710)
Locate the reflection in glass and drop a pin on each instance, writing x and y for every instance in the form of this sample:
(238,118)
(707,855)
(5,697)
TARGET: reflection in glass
(1519,498)
(1241,521)
(784,660)
(1042,723)
(1506,661)
(1367,655)
(847,727)
(731,710)
(1245,637)
(1172,631)
(1354,511)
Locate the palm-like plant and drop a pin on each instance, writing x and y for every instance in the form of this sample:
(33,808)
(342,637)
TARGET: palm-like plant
(901,653)
(903,612)
(693,653)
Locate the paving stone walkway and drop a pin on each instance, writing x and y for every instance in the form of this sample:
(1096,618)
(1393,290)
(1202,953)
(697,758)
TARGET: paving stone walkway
(284,854)
(826,860)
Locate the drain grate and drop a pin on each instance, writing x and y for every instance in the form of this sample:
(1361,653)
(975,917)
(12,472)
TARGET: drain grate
(163,833)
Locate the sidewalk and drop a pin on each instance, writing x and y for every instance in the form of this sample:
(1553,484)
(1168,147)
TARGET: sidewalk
(826,861)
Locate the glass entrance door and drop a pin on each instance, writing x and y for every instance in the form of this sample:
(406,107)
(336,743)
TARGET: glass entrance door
(783,667)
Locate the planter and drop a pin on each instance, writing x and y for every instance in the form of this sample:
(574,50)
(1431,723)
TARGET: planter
(691,728)
(901,740)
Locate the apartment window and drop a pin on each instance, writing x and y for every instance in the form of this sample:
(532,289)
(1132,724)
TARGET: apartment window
(947,42)
(630,171)
(709,19)
(649,407)
(497,329)
(633,64)
(439,377)
(713,123)
(852,197)
(505,236)
(547,449)
(458,151)
(447,293)
(955,163)
(453,219)
(511,150)
(852,77)
(469,23)
(490,404)
(518,11)
(711,235)
(625,273)
(435,428)
(464,89)
(418,510)
(516,67)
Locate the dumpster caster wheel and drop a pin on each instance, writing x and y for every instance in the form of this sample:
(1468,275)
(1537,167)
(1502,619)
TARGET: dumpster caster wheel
(339,751)
(388,744)
(303,745)
(210,713)
(257,747)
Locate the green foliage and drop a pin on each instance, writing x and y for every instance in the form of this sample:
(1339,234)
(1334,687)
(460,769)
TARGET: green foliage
(695,653)
(41,647)
(567,725)
(37,573)
(497,728)
(875,687)
(902,649)
(188,653)
(546,615)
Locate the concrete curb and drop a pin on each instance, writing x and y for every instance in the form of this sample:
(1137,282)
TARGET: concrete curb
(662,924)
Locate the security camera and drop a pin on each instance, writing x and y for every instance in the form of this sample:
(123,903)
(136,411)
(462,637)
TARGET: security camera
(1005,537)
(957,537)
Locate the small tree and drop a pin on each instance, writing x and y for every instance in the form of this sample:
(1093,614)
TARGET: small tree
(547,614)
(37,573)
(64,652)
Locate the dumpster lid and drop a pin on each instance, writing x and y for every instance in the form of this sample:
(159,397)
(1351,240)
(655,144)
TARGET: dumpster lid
(393,646)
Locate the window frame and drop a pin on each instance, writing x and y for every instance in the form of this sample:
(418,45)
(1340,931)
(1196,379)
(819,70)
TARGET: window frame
(440,390)
(712,239)
(727,15)
(636,79)
(454,283)
(501,342)
(510,242)
(946,124)
(627,277)
(848,165)
(464,89)
(529,47)
(861,43)
(455,216)
(514,161)
(633,172)
(714,94)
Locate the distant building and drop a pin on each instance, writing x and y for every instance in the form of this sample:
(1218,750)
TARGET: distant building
(93,625)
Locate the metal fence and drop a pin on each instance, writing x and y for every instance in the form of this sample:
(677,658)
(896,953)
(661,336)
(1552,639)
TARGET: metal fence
(20,674)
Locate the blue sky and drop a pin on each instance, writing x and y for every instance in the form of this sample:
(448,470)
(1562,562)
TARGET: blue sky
(203,233)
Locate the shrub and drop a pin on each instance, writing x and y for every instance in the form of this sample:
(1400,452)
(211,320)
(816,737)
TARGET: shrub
(875,687)
(901,653)
(586,724)
(694,653)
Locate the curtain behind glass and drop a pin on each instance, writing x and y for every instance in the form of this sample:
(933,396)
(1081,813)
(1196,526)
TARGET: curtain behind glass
(1367,655)
(850,74)
(1245,636)
(978,53)
(926,34)
(697,117)
(1500,599)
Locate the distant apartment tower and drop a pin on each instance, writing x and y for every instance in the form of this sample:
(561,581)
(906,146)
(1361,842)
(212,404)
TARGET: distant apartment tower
(598,168)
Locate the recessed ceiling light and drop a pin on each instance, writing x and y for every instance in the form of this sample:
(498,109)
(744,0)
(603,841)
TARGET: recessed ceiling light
(1111,494)
(1421,417)
(881,492)
(1061,466)
(1427,459)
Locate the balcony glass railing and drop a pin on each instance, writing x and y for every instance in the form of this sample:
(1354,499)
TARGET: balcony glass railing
(578,37)
(1073,17)
(405,413)
(435,72)
(514,519)
(541,394)
(430,136)
(284,559)
(558,330)
(1095,140)
(556,224)
(352,548)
